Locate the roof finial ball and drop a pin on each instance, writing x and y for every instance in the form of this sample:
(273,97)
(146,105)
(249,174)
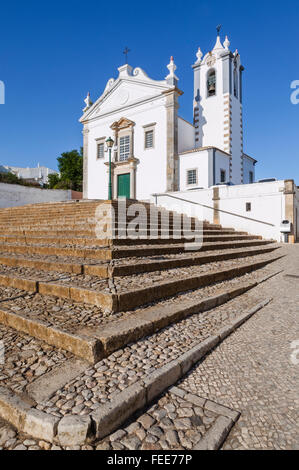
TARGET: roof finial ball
(218,29)
(171,77)
(226,43)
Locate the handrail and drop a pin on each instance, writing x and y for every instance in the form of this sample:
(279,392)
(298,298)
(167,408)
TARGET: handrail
(213,208)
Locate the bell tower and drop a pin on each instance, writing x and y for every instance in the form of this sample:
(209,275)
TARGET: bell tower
(217,104)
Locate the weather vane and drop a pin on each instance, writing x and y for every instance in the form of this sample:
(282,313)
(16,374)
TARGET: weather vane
(218,29)
(126,51)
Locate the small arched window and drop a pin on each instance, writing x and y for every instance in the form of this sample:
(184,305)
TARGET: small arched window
(211,83)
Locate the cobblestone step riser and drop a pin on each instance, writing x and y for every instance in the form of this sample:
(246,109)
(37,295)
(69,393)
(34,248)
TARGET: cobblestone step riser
(142,252)
(128,270)
(44,216)
(89,349)
(100,254)
(59,238)
(104,271)
(91,242)
(109,254)
(91,224)
(44,265)
(133,299)
(92,233)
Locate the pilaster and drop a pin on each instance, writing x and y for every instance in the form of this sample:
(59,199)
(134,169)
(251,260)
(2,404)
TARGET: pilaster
(85,161)
(172,172)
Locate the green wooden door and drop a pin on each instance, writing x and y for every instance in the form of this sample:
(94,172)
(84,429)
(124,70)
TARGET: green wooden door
(123,185)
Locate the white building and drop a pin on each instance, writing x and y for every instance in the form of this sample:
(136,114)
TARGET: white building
(155,149)
(39,174)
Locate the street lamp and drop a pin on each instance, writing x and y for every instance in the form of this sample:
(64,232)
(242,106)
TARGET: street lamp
(109,143)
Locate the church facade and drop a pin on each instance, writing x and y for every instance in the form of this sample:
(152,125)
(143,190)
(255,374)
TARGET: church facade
(157,151)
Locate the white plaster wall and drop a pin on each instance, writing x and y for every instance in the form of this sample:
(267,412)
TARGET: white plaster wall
(12,195)
(247,167)
(212,115)
(221,163)
(267,207)
(186,135)
(297,213)
(151,171)
(202,162)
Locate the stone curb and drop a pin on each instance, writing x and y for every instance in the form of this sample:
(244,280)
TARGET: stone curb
(75,430)
(216,435)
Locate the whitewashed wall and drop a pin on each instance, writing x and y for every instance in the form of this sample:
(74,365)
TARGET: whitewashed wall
(151,171)
(12,195)
(247,167)
(297,211)
(267,207)
(186,135)
(221,163)
(195,160)
(203,162)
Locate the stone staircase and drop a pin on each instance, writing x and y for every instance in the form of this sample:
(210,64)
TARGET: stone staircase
(90,297)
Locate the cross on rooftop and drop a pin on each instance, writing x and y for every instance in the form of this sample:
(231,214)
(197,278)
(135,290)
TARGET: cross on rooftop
(126,51)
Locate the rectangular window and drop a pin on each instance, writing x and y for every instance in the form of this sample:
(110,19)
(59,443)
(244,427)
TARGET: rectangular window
(248,206)
(191,177)
(101,150)
(149,139)
(222,176)
(251,177)
(124,148)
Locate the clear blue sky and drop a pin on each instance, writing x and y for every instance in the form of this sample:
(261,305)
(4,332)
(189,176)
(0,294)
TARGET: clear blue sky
(52,53)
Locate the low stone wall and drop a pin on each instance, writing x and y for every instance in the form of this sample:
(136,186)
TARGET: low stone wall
(12,195)
(257,208)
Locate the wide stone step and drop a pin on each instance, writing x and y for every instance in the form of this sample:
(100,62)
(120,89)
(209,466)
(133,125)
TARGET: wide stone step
(122,297)
(92,336)
(128,266)
(131,239)
(59,236)
(108,253)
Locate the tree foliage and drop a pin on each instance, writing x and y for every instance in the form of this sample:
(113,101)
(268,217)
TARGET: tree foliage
(11,178)
(70,165)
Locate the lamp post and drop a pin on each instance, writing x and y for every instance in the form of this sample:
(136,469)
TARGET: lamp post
(109,143)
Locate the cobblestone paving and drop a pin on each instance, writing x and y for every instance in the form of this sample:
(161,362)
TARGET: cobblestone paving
(26,358)
(172,423)
(108,377)
(251,371)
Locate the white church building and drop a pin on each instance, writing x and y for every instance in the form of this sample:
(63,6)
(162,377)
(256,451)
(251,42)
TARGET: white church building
(155,150)
(158,156)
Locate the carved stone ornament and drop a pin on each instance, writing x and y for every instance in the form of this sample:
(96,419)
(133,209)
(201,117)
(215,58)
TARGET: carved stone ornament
(211,61)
